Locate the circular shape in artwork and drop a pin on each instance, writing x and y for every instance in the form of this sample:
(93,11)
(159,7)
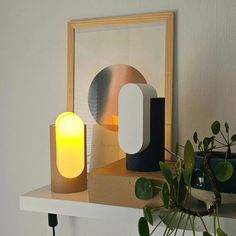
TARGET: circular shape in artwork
(104,91)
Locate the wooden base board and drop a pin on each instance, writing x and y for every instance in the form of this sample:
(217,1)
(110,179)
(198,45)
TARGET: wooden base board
(114,185)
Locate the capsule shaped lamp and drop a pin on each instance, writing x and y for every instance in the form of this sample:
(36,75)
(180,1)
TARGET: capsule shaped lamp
(68,154)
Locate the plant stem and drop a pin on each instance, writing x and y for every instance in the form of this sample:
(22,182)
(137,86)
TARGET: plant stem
(194,217)
(228,151)
(185,225)
(175,194)
(180,219)
(214,223)
(188,192)
(232,144)
(226,155)
(223,146)
(161,220)
(157,187)
(177,227)
(156,208)
(212,181)
(223,136)
(219,142)
(170,224)
(165,230)
(201,218)
(170,230)
(192,225)
(217,214)
(228,137)
(178,193)
(172,153)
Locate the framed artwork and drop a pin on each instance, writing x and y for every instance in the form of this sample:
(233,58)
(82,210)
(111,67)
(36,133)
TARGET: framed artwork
(106,53)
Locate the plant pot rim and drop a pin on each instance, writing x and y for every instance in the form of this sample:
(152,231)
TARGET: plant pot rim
(216,155)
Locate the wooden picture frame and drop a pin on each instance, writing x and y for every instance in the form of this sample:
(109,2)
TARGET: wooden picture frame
(166,18)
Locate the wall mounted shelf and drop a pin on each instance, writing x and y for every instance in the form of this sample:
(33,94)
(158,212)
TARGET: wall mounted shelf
(77,205)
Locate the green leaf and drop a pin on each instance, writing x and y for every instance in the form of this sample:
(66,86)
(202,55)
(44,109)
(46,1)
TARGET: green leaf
(143,228)
(177,149)
(189,158)
(178,191)
(206,234)
(179,168)
(165,195)
(233,138)
(147,212)
(215,127)
(187,178)
(144,189)
(206,142)
(223,171)
(212,138)
(220,232)
(199,145)
(195,137)
(166,172)
(226,127)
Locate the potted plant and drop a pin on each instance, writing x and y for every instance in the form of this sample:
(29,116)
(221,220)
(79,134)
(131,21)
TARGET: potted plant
(222,163)
(207,175)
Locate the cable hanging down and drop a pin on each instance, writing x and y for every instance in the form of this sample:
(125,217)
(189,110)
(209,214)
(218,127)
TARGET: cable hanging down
(52,222)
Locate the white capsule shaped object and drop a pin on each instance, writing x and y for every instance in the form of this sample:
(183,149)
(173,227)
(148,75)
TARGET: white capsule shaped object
(135,117)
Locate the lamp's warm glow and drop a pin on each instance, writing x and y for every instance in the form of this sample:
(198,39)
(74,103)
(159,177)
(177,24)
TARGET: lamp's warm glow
(70,148)
(115,120)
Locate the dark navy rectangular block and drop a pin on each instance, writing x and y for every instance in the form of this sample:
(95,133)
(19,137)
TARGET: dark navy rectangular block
(148,160)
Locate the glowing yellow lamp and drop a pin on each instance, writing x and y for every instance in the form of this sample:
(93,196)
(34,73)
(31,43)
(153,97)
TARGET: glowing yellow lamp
(68,151)
(70,144)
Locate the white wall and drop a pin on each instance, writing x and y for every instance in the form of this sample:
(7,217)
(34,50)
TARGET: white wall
(33,89)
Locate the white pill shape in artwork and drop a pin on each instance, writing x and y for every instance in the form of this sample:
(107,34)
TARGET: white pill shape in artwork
(134,109)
